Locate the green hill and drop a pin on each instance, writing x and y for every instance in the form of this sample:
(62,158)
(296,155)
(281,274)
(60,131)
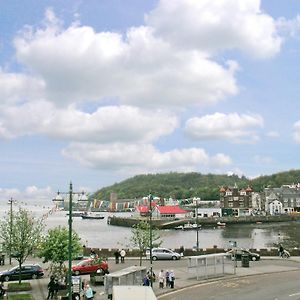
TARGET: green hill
(187,185)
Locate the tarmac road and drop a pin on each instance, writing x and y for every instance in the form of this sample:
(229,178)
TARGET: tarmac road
(275,286)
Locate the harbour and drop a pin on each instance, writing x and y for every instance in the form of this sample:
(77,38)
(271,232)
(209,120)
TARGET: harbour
(98,234)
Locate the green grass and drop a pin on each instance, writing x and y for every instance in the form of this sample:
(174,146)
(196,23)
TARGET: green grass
(19,297)
(16,287)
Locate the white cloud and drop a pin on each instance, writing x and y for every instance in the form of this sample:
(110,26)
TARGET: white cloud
(17,87)
(216,25)
(142,157)
(31,194)
(296,133)
(289,26)
(232,127)
(106,124)
(78,63)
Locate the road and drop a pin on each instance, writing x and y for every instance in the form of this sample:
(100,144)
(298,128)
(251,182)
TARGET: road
(277,286)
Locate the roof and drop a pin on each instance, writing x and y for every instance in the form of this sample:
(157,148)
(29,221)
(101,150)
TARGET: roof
(171,209)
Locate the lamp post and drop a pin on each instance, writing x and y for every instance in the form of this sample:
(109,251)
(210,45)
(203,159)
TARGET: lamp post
(150,238)
(197,228)
(70,220)
(10,202)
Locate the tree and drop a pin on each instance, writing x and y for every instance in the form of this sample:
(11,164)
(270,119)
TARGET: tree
(141,237)
(21,235)
(54,248)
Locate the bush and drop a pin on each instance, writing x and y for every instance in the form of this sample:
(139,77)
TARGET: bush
(16,287)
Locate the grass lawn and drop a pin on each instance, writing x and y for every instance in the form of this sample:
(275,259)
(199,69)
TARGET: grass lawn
(19,297)
(16,287)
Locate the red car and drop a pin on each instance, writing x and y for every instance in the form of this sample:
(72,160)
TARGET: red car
(90,265)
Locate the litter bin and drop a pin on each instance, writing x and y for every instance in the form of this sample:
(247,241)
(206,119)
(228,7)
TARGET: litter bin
(245,260)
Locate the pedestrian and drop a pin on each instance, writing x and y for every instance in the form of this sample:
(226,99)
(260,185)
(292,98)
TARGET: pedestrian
(172,279)
(89,294)
(122,254)
(51,288)
(146,281)
(161,279)
(2,289)
(117,256)
(167,278)
(181,250)
(281,250)
(56,287)
(93,254)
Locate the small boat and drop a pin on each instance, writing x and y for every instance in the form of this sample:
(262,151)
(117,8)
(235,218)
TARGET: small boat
(221,224)
(187,226)
(92,216)
(76,214)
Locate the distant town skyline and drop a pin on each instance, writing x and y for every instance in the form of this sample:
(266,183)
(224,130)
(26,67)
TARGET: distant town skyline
(95,92)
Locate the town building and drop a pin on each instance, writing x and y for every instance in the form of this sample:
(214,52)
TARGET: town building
(235,201)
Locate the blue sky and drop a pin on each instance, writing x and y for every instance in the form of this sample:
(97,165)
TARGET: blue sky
(98,91)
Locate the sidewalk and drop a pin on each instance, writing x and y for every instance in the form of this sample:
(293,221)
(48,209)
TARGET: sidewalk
(267,265)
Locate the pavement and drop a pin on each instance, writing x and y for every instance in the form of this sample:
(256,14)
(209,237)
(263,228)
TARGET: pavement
(183,277)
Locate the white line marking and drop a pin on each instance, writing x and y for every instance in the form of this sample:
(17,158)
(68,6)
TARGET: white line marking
(292,295)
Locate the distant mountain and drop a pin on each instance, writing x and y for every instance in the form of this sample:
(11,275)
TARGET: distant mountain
(187,185)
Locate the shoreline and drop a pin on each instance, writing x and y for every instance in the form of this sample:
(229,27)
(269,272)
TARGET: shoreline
(209,221)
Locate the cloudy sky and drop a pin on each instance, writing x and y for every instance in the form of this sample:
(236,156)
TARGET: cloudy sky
(95,92)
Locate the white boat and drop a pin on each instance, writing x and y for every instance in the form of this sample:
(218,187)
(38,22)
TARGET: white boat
(188,226)
(221,224)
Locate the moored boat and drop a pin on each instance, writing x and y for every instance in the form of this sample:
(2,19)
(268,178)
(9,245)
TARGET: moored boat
(187,226)
(92,216)
(222,224)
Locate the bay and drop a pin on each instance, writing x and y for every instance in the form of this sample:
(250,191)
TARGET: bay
(98,234)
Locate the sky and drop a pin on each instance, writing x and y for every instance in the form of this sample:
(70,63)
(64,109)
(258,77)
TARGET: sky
(97,91)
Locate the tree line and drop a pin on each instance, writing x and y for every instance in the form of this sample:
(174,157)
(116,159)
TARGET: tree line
(189,185)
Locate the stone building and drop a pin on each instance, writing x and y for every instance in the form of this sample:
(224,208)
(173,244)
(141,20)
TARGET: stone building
(235,201)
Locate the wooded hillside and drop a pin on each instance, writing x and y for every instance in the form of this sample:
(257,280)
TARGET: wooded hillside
(187,185)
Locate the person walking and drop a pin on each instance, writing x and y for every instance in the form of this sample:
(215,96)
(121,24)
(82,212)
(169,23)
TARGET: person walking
(172,279)
(161,279)
(89,294)
(51,288)
(167,278)
(117,256)
(281,250)
(122,254)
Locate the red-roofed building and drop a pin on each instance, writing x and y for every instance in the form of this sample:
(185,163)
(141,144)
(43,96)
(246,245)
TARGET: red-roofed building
(169,211)
(142,210)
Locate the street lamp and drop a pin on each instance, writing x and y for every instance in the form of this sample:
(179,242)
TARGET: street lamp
(58,198)
(10,202)
(197,228)
(150,233)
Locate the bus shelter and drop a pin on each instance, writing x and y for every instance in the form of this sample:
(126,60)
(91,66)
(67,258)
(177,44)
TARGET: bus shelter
(132,276)
(211,265)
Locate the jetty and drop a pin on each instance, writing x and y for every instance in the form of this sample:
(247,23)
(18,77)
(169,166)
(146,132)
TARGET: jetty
(209,221)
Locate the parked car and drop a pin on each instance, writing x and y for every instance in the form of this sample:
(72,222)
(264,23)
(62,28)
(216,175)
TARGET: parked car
(162,253)
(237,254)
(90,265)
(27,272)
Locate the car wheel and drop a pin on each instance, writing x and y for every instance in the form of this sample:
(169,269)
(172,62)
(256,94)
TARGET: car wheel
(154,258)
(77,273)
(6,278)
(34,276)
(253,258)
(174,257)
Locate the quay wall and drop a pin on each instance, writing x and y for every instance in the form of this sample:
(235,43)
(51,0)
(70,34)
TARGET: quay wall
(210,221)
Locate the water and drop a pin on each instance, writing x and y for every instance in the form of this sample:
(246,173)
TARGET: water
(96,233)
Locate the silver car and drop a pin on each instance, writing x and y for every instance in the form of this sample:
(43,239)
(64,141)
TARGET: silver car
(162,253)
